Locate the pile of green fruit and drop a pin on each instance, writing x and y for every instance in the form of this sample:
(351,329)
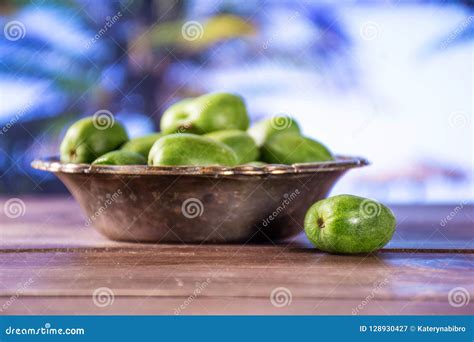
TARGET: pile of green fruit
(212,129)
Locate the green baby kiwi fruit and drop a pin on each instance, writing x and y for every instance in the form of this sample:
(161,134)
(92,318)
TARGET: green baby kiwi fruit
(265,129)
(142,145)
(290,148)
(349,224)
(190,149)
(91,137)
(240,142)
(176,119)
(120,158)
(205,114)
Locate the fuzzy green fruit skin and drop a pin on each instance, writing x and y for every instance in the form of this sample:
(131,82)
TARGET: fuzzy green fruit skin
(190,149)
(205,114)
(84,142)
(240,142)
(141,145)
(120,158)
(349,224)
(290,148)
(265,129)
(176,119)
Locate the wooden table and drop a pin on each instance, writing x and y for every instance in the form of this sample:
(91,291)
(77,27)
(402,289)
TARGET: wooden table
(51,263)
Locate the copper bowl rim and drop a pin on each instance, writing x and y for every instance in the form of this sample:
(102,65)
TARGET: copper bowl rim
(341,163)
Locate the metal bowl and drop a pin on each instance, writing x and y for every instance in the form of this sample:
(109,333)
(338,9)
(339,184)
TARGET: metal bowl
(198,204)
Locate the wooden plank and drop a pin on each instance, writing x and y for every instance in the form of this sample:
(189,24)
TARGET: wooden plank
(232,271)
(51,263)
(59,222)
(174,270)
(123,305)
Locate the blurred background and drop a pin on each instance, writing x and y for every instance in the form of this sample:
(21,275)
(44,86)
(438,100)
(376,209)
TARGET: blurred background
(388,80)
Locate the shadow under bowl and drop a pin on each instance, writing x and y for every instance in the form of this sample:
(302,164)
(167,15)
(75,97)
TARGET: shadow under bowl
(198,204)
